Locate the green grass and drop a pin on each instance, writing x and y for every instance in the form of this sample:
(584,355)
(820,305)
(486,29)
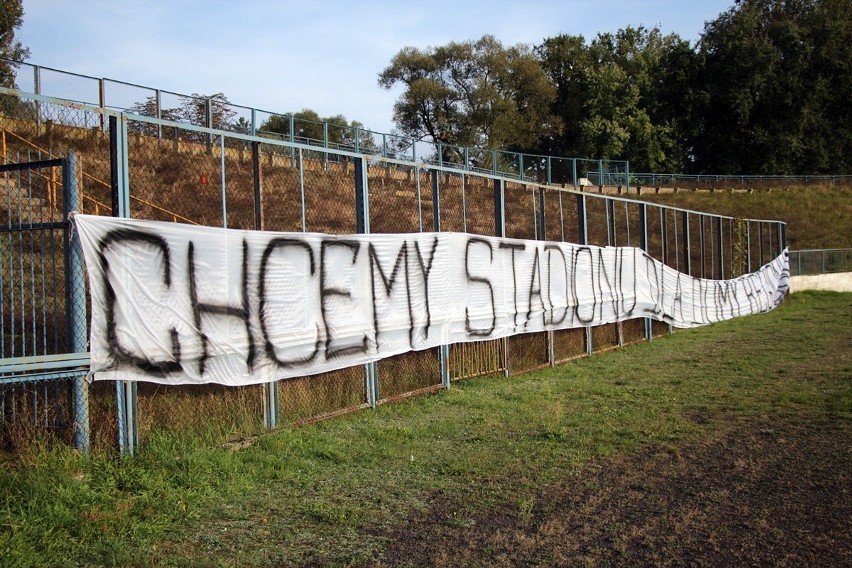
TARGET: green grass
(325,493)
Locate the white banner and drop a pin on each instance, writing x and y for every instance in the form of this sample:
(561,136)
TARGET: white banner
(180,304)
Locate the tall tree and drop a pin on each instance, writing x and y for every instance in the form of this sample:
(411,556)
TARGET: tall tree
(611,98)
(777,83)
(194,110)
(566,60)
(150,107)
(473,93)
(309,127)
(11,18)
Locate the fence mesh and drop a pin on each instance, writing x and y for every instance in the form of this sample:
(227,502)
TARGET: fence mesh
(527,351)
(190,174)
(633,331)
(42,290)
(569,344)
(604,337)
(303,398)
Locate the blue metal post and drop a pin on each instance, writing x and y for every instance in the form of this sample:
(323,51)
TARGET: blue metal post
(208,122)
(583,238)
(443,350)
(75,306)
(542,218)
(549,172)
(362,226)
(687,257)
(748,246)
(37,89)
(574,171)
(292,125)
(126,391)
(643,244)
(158,99)
(500,231)
(270,389)
(720,264)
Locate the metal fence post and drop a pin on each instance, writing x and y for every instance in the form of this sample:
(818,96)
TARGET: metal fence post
(687,257)
(270,389)
(126,391)
(748,246)
(542,218)
(158,100)
(76,332)
(583,239)
(101,101)
(499,209)
(643,244)
(362,226)
(574,171)
(292,128)
(500,231)
(443,350)
(720,258)
(208,122)
(37,89)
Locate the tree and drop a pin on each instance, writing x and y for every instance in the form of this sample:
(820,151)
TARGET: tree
(11,18)
(777,81)
(472,94)
(194,110)
(310,128)
(566,60)
(611,97)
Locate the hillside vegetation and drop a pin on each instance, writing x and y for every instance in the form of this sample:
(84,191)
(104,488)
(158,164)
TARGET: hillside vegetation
(816,217)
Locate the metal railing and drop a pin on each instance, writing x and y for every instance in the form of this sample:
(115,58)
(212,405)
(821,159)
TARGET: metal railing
(236,180)
(641,179)
(820,261)
(213,112)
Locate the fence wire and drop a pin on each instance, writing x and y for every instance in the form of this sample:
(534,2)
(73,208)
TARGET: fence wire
(186,173)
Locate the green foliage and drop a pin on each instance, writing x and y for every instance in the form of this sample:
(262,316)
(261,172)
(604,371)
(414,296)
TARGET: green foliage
(309,127)
(473,93)
(777,81)
(11,18)
(611,99)
(195,108)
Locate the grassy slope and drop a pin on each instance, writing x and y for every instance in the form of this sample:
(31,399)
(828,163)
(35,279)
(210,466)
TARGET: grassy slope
(817,217)
(326,494)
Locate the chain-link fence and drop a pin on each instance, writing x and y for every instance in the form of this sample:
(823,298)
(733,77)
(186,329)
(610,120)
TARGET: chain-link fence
(43,331)
(139,165)
(820,261)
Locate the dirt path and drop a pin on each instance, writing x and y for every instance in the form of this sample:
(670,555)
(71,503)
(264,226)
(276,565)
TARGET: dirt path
(764,492)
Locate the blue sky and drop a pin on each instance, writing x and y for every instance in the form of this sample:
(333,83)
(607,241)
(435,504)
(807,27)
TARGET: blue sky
(284,56)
